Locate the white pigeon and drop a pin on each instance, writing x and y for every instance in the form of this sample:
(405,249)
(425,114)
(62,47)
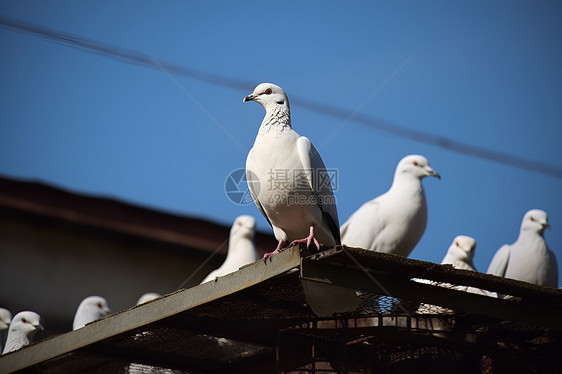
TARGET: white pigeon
(241,247)
(291,187)
(285,177)
(147,297)
(22,330)
(528,259)
(460,255)
(5,319)
(90,309)
(395,221)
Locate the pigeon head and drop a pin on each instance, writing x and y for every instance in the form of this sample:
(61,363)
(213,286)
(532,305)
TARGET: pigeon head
(96,304)
(268,96)
(26,323)
(463,247)
(535,220)
(416,166)
(5,318)
(244,226)
(90,309)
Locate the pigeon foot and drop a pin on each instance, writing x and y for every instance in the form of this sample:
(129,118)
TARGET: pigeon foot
(308,240)
(277,250)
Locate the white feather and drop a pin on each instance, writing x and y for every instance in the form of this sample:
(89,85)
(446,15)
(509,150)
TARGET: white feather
(22,330)
(90,309)
(290,186)
(241,247)
(395,221)
(528,259)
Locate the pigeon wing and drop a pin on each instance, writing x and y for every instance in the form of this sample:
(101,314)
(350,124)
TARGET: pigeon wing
(319,182)
(364,225)
(254,186)
(324,299)
(499,262)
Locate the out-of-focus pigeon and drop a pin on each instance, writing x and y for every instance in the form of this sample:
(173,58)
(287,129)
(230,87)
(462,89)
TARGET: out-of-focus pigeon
(528,259)
(22,330)
(395,221)
(292,189)
(241,247)
(5,320)
(147,297)
(460,255)
(90,309)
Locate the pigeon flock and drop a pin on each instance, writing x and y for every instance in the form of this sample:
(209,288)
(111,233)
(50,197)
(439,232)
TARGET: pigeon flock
(290,186)
(286,178)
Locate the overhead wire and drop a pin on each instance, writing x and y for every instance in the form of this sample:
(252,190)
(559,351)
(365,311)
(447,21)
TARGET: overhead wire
(137,58)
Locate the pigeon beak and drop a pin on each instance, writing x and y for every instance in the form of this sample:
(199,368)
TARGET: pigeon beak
(39,327)
(433,173)
(546,226)
(250,97)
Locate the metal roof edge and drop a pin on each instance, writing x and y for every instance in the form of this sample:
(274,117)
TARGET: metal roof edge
(150,312)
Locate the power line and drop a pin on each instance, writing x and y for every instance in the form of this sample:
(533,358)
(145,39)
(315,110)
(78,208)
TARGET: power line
(141,59)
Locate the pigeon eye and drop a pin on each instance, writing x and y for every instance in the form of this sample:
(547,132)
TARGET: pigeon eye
(457,243)
(416,163)
(24,320)
(532,219)
(99,305)
(268,91)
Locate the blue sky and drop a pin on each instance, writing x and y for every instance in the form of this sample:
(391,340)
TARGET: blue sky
(479,72)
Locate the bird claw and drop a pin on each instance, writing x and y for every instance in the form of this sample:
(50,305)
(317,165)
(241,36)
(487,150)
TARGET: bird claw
(316,243)
(268,255)
(308,240)
(277,250)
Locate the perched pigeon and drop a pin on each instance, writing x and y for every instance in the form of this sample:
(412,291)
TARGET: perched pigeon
(460,254)
(90,309)
(291,187)
(241,248)
(5,319)
(147,297)
(528,259)
(395,221)
(286,177)
(22,329)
